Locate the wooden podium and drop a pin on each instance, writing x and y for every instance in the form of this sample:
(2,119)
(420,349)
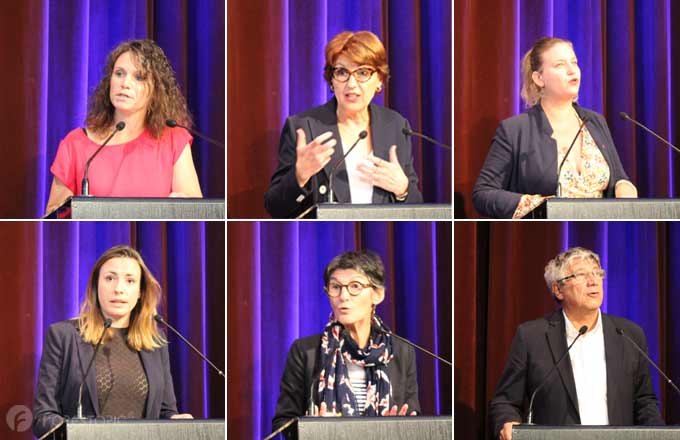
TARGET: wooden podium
(371,428)
(566,209)
(166,429)
(536,432)
(389,211)
(133,208)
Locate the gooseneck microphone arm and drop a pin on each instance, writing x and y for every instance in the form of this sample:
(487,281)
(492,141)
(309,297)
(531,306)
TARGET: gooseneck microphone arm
(408,132)
(581,332)
(160,320)
(172,123)
(381,326)
(79,410)
(648,130)
(85,184)
(558,191)
(362,135)
(666,378)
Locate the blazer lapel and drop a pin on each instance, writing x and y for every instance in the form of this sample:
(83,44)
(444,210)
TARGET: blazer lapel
(150,365)
(381,149)
(547,151)
(613,354)
(557,343)
(85,352)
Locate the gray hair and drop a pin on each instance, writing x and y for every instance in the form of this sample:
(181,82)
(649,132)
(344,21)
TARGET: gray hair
(554,270)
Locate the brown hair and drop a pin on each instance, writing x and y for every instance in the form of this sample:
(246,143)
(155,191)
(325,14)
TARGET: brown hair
(143,333)
(362,47)
(531,63)
(165,101)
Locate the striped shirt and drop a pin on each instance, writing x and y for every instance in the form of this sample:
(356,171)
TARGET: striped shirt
(357,378)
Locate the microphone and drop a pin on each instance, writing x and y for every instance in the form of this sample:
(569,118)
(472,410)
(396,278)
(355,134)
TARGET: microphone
(408,132)
(668,381)
(628,118)
(581,332)
(362,135)
(85,184)
(107,324)
(160,320)
(559,169)
(382,327)
(172,124)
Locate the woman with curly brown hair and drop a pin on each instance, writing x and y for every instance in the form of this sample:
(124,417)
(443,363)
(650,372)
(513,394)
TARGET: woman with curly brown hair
(146,158)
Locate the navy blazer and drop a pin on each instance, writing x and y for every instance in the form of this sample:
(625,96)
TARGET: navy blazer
(303,366)
(64,359)
(523,160)
(285,199)
(540,343)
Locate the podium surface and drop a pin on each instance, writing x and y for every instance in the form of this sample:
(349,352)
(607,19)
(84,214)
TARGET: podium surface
(140,208)
(536,432)
(371,428)
(166,429)
(388,211)
(565,209)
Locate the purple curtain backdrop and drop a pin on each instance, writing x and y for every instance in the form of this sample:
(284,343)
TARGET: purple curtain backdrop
(276,295)
(45,268)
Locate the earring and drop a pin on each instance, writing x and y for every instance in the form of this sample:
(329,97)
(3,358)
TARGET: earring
(332,90)
(379,89)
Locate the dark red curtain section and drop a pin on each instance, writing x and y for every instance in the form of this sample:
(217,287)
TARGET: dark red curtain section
(498,280)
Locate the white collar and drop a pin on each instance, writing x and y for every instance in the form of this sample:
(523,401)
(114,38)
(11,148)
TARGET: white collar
(572,331)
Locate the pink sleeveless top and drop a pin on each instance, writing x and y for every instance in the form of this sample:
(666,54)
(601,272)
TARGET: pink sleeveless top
(142,167)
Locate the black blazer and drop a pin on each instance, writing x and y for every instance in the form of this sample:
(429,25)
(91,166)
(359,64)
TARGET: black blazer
(64,359)
(285,198)
(302,366)
(523,160)
(535,349)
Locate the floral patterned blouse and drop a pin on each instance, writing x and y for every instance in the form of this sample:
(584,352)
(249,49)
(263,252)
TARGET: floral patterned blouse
(591,182)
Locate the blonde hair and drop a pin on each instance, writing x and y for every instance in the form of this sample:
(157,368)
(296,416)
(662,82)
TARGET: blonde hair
(532,62)
(143,332)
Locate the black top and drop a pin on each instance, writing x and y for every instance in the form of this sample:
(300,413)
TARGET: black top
(303,366)
(122,387)
(523,160)
(540,343)
(285,198)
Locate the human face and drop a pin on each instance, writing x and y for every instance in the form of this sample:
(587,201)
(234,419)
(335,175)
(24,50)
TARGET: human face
(130,92)
(354,310)
(559,76)
(118,289)
(581,297)
(354,96)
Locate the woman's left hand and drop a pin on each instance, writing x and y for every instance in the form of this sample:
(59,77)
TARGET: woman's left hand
(182,416)
(386,175)
(402,411)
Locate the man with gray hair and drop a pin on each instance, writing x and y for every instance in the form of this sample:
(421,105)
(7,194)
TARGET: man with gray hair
(603,380)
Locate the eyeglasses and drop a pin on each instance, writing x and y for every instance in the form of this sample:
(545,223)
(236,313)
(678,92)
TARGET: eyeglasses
(353,287)
(362,74)
(581,277)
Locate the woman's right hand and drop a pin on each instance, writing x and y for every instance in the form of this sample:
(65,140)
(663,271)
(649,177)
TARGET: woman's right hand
(506,432)
(313,156)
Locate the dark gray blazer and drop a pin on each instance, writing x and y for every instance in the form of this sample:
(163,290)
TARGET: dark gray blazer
(285,198)
(523,160)
(539,344)
(64,359)
(302,366)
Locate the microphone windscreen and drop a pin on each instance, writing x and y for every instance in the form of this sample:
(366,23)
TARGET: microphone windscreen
(619,331)
(171,123)
(363,134)
(583,329)
(107,322)
(624,115)
(406,131)
(158,318)
(120,125)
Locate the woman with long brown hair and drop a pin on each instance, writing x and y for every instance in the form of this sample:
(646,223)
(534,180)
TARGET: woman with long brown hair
(145,158)
(130,375)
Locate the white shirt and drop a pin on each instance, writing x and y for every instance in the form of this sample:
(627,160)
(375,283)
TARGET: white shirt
(590,372)
(357,378)
(360,190)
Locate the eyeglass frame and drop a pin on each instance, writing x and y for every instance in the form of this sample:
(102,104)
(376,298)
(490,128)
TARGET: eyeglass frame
(599,272)
(352,72)
(346,286)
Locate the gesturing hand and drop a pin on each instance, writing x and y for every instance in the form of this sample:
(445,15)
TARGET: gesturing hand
(313,156)
(386,175)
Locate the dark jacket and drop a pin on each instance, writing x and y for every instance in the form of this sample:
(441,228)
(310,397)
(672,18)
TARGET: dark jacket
(64,359)
(535,349)
(285,198)
(303,365)
(523,160)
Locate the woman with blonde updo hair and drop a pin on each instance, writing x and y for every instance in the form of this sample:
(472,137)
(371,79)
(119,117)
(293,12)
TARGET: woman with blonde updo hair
(380,168)
(521,168)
